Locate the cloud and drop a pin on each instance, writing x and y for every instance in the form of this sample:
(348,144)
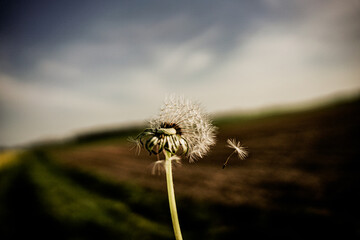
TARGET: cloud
(287,62)
(119,65)
(31,111)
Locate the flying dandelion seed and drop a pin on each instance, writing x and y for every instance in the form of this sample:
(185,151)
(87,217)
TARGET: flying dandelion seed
(136,144)
(238,148)
(158,167)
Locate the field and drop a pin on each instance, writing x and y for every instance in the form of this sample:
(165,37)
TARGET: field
(300,181)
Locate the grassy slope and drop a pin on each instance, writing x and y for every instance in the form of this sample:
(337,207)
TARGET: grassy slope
(41,199)
(300,181)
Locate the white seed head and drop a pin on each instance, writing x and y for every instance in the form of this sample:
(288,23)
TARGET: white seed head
(193,127)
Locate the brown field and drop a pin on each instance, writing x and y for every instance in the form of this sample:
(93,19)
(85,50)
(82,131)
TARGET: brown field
(306,161)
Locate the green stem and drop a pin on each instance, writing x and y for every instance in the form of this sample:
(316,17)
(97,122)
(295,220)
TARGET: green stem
(171,196)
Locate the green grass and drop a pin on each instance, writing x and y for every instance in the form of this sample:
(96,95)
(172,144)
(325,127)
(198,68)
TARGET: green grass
(45,200)
(42,199)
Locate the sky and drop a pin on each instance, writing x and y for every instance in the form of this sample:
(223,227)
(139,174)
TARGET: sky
(71,66)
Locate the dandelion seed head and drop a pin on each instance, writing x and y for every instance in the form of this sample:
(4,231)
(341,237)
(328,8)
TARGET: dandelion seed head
(193,127)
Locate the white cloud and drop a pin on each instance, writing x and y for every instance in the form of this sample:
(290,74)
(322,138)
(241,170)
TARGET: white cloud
(38,95)
(283,63)
(32,111)
(124,74)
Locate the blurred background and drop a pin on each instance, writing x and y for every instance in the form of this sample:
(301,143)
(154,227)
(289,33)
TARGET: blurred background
(77,78)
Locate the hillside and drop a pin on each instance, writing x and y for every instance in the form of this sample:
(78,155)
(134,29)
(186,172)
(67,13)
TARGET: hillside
(300,180)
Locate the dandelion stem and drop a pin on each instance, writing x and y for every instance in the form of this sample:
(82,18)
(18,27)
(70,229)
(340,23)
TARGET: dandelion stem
(171,196)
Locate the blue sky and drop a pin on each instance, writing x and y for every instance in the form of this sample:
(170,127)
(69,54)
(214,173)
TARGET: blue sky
(69,66)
